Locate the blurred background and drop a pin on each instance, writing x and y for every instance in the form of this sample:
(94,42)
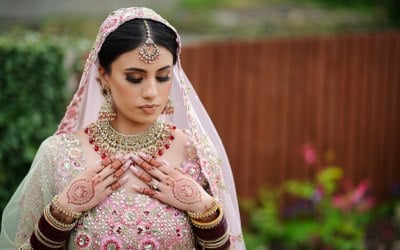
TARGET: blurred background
(304,93)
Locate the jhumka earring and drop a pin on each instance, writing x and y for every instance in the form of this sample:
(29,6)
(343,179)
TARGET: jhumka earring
(149,52)
(106,112)
(169,108)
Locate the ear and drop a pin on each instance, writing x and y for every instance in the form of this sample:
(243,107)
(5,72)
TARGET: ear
(103,75)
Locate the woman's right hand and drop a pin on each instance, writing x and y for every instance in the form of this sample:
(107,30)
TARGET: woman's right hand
(94,184)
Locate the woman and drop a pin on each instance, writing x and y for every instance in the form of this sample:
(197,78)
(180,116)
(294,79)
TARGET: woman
(118,174)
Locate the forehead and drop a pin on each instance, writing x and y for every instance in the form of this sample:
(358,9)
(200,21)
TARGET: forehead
(131,59)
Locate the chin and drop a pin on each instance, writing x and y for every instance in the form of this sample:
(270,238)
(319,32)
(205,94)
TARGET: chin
(148,119)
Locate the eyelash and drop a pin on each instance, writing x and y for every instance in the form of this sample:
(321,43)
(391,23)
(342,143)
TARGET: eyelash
(139,80)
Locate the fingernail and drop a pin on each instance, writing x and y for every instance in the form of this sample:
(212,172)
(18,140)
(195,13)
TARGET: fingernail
(98,162)
(134,169)
(135,157)
(127,164)
(124,179)
(135,187)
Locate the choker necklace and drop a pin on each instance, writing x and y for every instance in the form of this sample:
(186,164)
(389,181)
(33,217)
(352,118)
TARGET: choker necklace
(107,141)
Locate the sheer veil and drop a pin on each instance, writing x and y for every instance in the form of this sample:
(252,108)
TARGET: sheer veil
(189,115)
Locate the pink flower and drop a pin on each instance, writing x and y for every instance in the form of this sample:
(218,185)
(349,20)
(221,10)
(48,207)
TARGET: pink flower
(356,199)
(309,154)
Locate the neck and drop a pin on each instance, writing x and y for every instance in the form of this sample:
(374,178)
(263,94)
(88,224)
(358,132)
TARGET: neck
(129,127)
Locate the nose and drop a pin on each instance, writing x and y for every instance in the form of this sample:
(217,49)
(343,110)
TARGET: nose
(150,90)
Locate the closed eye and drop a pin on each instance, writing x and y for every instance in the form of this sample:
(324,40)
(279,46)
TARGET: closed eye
(134,80)
(163,78)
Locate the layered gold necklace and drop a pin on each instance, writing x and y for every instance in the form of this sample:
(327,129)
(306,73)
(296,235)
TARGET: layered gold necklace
(107,141)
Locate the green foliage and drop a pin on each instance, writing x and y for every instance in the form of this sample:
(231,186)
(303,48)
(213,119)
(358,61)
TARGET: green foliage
(32,82)
(314,223)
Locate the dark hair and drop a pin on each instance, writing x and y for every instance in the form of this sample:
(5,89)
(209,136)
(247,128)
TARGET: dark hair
(132,34)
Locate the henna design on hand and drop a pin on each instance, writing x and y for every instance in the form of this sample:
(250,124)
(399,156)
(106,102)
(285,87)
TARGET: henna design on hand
(115,186)
(147,191)
(95,180)
(186,191)
(119,172)
(106,162)
(80,192)
(145,178)
(116,164)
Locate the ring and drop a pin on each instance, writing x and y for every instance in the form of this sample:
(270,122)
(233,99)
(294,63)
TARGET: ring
(154,184)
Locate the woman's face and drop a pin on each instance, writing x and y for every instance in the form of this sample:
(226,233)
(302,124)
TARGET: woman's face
(139,90)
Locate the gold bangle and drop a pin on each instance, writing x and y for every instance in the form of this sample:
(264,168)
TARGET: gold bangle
(214,243)
(55,223)
(209,224)
(45,241)
(210,211)
(57,205)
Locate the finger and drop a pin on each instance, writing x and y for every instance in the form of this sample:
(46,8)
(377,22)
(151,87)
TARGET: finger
(119,183)
(154,184)
(111,188)
(122,169)
(110,169)
(145,177)
(116,164)
(151,160)
(97,167)
(143,163)
(105,162)
(152,170)
(96,179)
(117,174)
(145,191)
(161,165)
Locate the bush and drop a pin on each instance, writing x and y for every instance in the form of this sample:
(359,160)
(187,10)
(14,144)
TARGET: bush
(325,212)
(32,83)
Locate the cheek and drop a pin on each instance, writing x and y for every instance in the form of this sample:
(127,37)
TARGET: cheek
(165,89)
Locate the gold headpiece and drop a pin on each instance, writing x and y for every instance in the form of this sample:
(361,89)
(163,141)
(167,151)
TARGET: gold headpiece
(149,52)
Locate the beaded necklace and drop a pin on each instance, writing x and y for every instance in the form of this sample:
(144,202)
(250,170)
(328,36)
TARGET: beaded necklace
(107,141)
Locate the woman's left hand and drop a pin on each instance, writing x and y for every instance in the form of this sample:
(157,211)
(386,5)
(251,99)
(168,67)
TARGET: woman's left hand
(170,185)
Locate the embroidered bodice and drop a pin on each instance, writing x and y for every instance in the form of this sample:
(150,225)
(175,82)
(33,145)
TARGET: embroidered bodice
(124,220)
(132,221)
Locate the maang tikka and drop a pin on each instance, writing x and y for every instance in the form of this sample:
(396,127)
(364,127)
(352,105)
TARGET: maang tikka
(149,51)
(106,112)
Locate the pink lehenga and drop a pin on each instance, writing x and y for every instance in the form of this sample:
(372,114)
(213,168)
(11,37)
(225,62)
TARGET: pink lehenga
(124,220)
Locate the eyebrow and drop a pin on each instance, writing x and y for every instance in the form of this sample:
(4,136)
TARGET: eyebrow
(145,71)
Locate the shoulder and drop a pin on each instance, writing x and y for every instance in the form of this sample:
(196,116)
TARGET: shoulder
(185,145)
(54,143)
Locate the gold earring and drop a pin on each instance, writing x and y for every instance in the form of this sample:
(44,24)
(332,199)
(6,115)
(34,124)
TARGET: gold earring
(169,108)
(106,112)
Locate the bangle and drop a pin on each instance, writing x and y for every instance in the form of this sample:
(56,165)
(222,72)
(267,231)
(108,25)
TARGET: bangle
(72,214)
(221,241)
(210,211)
(55,223)
(46,241)
(209,224)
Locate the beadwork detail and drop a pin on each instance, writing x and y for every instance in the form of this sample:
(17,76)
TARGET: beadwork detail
(107,141)
(134,221)
(149,52)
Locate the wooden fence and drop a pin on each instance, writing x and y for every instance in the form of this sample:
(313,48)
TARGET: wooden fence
(269,97)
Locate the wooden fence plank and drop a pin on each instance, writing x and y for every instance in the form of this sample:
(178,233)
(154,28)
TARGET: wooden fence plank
(268,97)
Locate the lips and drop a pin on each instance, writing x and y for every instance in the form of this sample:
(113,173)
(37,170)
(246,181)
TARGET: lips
(149,108)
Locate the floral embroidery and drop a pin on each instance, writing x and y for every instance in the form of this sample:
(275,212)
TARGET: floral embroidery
(111,243)
(149,243)
(82,240)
